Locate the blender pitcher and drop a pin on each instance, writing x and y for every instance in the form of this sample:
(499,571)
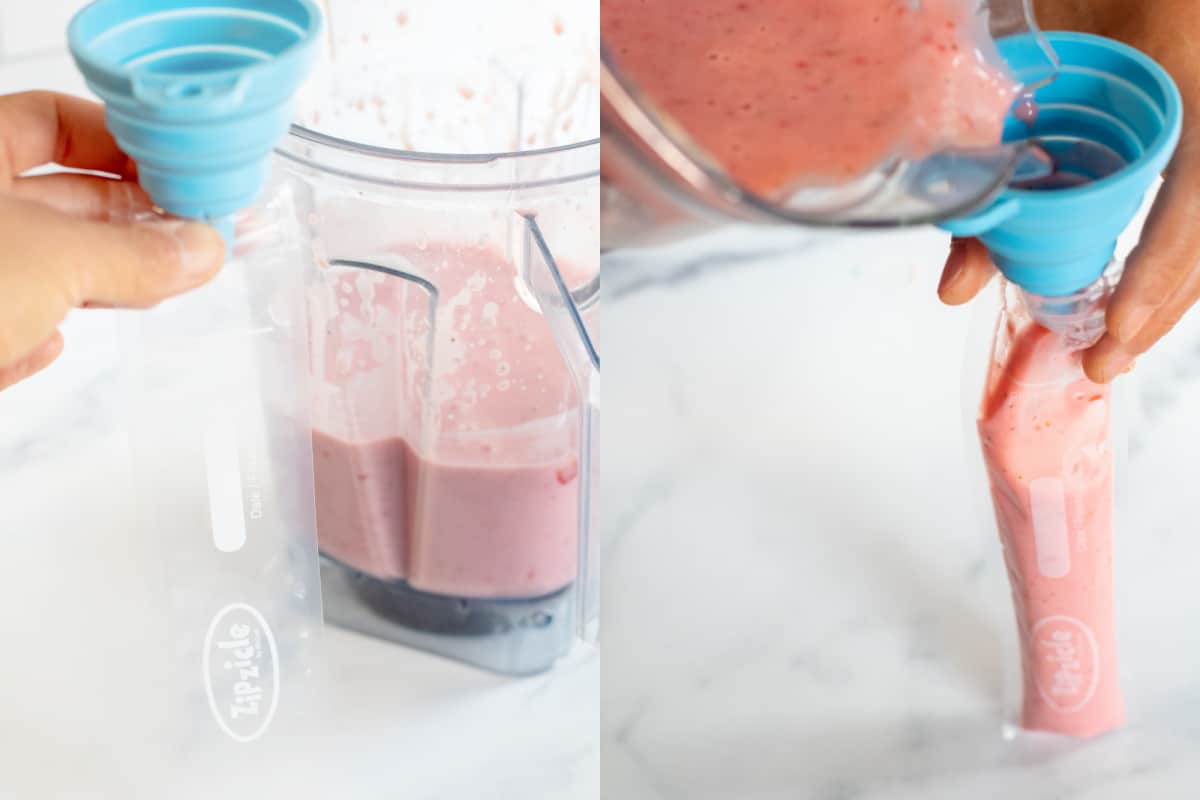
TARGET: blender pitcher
(815,113)
(446,167)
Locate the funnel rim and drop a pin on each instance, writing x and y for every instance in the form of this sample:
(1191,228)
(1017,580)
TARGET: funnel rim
(100,68)
(1164,142)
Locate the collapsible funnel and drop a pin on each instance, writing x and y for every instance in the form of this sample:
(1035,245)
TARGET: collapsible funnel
(1111,111)
(198,91)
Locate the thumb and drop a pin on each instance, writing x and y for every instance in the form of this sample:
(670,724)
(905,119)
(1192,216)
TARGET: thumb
(52,262)
(135,265)
(41,357)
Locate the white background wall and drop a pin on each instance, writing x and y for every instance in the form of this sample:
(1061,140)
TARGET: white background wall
(33,46)
(31,26)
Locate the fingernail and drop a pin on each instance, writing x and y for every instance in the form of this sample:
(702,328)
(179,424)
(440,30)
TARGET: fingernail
(129,203)
(201,248)
(954,264)
(1118,364)
(1132,322)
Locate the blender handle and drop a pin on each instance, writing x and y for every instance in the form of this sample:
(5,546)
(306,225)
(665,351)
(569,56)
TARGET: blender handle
(983,221)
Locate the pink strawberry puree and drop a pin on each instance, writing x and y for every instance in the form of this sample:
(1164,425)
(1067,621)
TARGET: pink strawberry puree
(466,485)
(784,93)
(1044,428)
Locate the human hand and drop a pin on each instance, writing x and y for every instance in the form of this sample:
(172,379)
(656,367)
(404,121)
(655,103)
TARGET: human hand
(1162,274)
(69,240)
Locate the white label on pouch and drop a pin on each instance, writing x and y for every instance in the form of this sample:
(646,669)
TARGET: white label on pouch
(1049,506)
(225,499)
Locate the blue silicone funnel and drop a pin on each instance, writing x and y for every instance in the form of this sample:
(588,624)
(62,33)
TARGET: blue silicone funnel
(1108,99)
(197,91)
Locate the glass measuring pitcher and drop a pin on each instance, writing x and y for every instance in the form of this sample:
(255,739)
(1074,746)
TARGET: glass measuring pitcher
(876,113)
(446,167)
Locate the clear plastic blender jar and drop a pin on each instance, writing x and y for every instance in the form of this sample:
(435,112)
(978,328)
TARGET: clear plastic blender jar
(446,168)
(745,76)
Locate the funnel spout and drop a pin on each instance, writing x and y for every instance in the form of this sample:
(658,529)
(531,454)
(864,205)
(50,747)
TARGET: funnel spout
(197,92)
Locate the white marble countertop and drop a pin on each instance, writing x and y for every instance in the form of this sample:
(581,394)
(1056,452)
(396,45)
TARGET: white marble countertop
(78,597)
(801,600)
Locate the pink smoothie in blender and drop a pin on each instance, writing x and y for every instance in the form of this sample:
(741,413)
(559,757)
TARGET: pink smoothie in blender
(1044,428)
(790,93)
(444,454)
(447,161)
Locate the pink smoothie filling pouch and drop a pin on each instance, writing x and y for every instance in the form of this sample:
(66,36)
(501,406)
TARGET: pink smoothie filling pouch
(1045,432)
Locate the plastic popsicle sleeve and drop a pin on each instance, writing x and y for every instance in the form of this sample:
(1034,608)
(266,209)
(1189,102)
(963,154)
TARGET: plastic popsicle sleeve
(199,96)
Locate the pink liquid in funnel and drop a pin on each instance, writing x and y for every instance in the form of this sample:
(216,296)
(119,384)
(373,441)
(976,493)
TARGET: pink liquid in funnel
(1026,110)
(785,93)
(1044,428)
(461,481)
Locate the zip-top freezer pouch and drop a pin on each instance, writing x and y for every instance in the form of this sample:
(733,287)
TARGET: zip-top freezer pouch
(198,94)
(1046,439)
